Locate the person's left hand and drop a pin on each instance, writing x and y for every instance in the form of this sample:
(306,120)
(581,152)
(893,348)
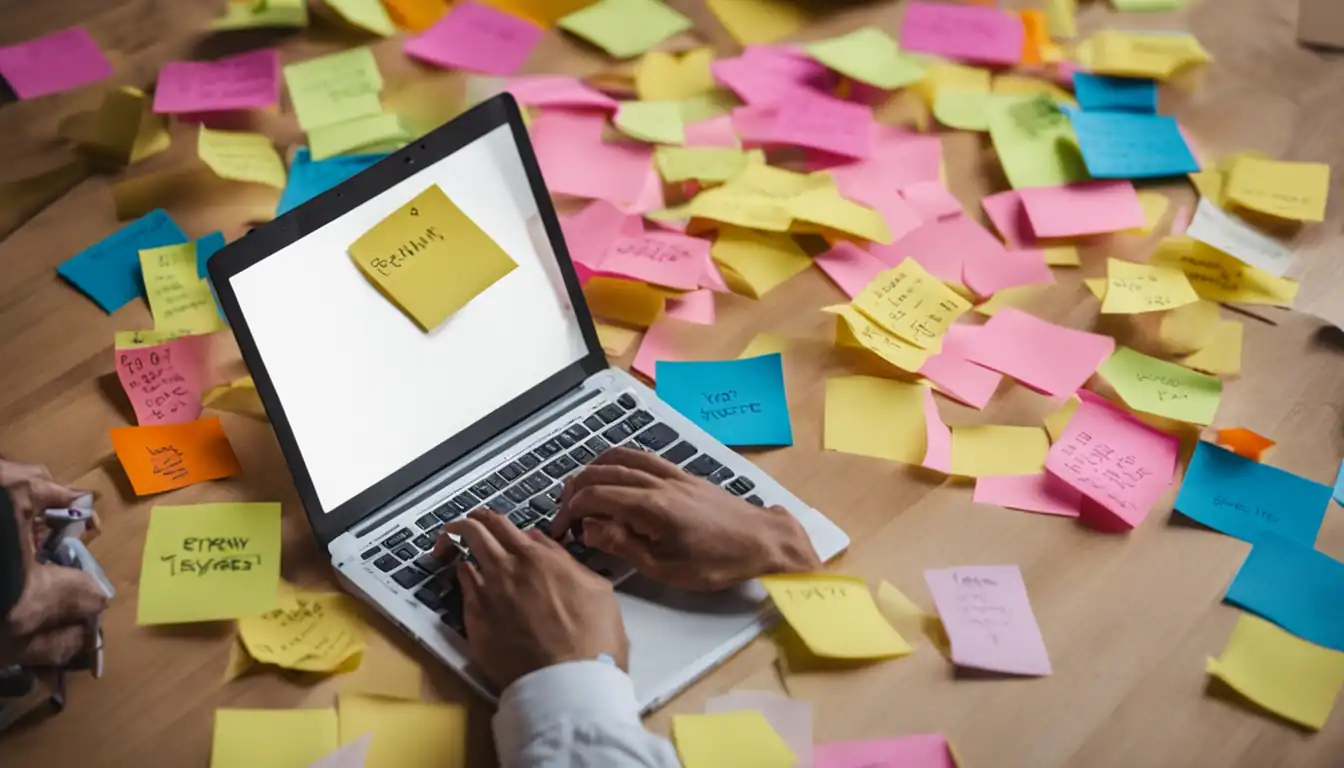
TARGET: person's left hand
(33,490)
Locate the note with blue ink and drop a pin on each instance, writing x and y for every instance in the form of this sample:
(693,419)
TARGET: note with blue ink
(1245,498)
(109,271)
(1125,145)
(1293,586)
(740,402)
(205,248)
(309,178)
(1101,93)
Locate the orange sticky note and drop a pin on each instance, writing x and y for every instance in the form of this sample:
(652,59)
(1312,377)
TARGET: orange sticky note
(161,458)
(1035,37)
(1244,442)
(415,15)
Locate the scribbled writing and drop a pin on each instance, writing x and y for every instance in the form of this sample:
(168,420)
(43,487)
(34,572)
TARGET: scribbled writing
(981,606)
(407,250)
(724,405)
(167,461)
(1095,464)
(1257,512)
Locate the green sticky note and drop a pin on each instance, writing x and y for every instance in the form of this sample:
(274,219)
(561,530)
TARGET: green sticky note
(962,109)
(868,55)
(335,89)
(209,562)
(365,14)
(1035,141)
(707,105)
(657,122)
(625,28)
(262,14)
(364,135)
(1161,388)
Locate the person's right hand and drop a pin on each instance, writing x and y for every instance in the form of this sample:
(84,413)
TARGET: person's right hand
(678,529)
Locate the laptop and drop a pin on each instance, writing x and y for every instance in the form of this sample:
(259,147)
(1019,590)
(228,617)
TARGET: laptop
(389,431)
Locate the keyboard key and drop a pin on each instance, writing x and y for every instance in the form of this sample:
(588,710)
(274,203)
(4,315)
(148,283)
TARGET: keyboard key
(405,552)
(597,445)
(499,504)
(555,492)
(424,541)
(529,462)
(721,476)
(543,505)
(536,483)
(756,500)
(447,512)
(522,516)
(640,419)
(582,455)
(704,466)
(369,553)
(593,423)
(680,452)
(566,440)
(409,576)
(429,563)
(657,437)
(627,401)
(517,493)
(483,489)
(741,486)
(560,467)
(610,413)
(428,598)
(450,607)
(577,431)
(496,481)
(465,501)
(386,563)
(618,433)
(549,448)
(428,521)
(511,472)
(397,538)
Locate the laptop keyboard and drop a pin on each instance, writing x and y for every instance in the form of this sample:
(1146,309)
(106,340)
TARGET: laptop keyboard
(528,489)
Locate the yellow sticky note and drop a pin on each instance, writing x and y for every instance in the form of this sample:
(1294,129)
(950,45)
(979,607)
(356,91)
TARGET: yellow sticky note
(262,14)
(742,739)
(615,340)
(899,610)
(1035,141)
(742,208)
(365,14)
(1155,205)
(1295,191)
(385,671)
(123,130)
(1062,256)
(1057,421)
(320,632)
(662,76)
(854,329)
(699,163)
(1157,55)
(912,304)
(1024,85)
(777,183)
(962,109)
(992,449)
(362,134)
(335,88)
(239,661)
(209,561)
(762,259)
(765,344)
(134,339)
(1062,16)
(1222,355)
(1189,328)
(238,396)
(1134,288)
(1155,386)
(241,156)
(1018,296)
(1285,674)
(430,258)
(625,301)
(272,738)
(652,121)
(881,418)
(752,22)
(703,106)
(179,299)
(824,207)
(406,734)
(868,55)
(835,616)
(1217,276)
(625,28)
(956,76)
(1097,285)
(1210,184)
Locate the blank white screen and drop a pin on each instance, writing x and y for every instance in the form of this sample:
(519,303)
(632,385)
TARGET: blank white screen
(365,390)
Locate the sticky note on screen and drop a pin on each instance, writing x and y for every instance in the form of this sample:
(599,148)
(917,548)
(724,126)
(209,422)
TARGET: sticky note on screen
(165,381)
(108,272)
(406,734)
(248,80)
(729,740)
(1155,386)
(429,258)
(61,61)
(1244,498)
(988,617)
(835,616)
(1288,676)
(981,34)
(739,402)
(1123,145)
(1101,93)
(1294,586)
(161,458)
(209,561)
(246,738)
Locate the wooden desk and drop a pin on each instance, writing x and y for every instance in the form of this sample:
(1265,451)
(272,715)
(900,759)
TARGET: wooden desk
(1129,619)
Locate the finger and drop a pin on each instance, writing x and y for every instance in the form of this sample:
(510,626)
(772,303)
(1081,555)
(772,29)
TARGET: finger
(469,579)
(55,647)
(69,596)
(615,539)
(620,503)
(482,543)
(508,536)
(607,474)
(544,540)
(641,460)
(48,494)
(12,472)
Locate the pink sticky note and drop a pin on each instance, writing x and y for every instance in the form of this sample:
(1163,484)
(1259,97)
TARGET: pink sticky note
(851,267)
(164,382)
(575,161)
(938,438)
(754,125)
(712,278)
(1181,221)
(956,376)
(558,91)
(714,132)
(966,32)
(662,258)
(986,275)
(791,718)
(650,196)
(694,307)
(1046,357)
(931,199)
(659,343)
(1114,459)
(1089,208)
(942,246)
(922,750)
(476,37)
(765,75)
(61,61)
(590,232)
(1041,492)
(871,186)
(815,120)
(1006,213)
(247,81)
(988,618)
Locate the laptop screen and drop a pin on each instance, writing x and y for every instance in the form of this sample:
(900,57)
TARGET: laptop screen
(366,391)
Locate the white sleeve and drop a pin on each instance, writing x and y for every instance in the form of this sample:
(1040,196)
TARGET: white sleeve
(579,714)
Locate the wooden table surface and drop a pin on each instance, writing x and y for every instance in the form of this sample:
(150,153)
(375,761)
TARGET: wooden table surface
(1128,619)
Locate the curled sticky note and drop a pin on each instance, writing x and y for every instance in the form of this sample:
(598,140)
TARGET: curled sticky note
(1245,442)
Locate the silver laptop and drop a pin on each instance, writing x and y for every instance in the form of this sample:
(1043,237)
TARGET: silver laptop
(389,431)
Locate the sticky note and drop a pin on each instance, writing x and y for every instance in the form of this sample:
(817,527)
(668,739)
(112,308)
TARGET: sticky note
(265,14)
(739,402)
(823,210)
(991,449)
(366,14)
(1039,492)
(962,109)
(430,258)
(1082,209)
(763,260)
(868,55)
(1156,386)
(61,61)
(937,436)
(1060,418)
(385,671)
(238,396)
(699,163)
(477,38)
(1295,191)
(1158,55)
(1222,355)
(854,329)
(1046,357)
(943,247)
(144,338)
(209,561)
(765,344)
(1035,142)
(1246,443)
(1224,231)
(1242,497)
(987,615)
(876,417)
(741,739)
(912,304)
(248,80)
(987,274)
(205,248)
(815,120)
(624,301)
(835,616)
(790,718)
(362,134)
(1102,93)
(352,755)
(625,28)
(1217,276)
(931,199)
(664,340)
(576,162)
(318,632)
(558,91)
(956,376)
(335,88)
(922,750)
(1135,288)
(1062,17)
(179,299)
(1124,145)
(758,21)
(108,272)
(309,178)
(651,121)
(968,33)
(241,156)
(161,458)
(415,15)
(245,738)
(850,267)
(660,75)
(1286,675)
(406,734)
(1114,459)
(669,259)
(1293,586)
(164,381)
(768,75)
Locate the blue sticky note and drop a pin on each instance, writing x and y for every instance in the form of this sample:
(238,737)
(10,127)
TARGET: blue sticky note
(739,402)
(205,248)
(309,178)
(1122,94)
(1294,586)
(109,271)
(1245,498)
(1124,145)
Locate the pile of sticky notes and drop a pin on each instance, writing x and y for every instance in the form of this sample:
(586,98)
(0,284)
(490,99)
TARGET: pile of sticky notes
(337,101)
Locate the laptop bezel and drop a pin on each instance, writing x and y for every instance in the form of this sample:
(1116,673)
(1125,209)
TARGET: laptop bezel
(316,213)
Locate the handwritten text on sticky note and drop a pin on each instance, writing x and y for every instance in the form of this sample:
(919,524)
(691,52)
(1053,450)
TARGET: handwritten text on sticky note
(912,304)
(164,381)
(163,457)
(988,618)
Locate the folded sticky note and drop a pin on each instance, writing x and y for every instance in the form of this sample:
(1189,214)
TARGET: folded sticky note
(164,382)
(61,61)
(1135,288)
(625,28)
(406,734)
(1125,145)
(763,260)
(1288,676)
(1225,232)
(246,738)
(109,271)
(868,55)
(740,739)
(921,750)
(478,38)
(1041,492)
(1156,386)
(912,304)
(1044,356)
(1216,276)
(1101,93)
(178,298)
(309,178)
(1035,142)
(1294,586)
(943,246)
(870,416)
(991,449)
(855,329)
(248,80)
(318,632)
(956,376)
(1088,208)
(1243,498)
(835,616)
(1296,191)
(850,267)
(161,458)
(1245,443)
(1222,355)
(987,615)
(739,402)
(209,561)
(241,156)
(1159,54)
(988,273)
(335,88)
(971,33)
(430,258)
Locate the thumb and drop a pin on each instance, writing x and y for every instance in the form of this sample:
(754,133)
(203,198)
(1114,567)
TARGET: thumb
(61,596)
(47,494)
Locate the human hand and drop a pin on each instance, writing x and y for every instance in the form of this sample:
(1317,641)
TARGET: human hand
(528,604)
(678,529)
(33,491)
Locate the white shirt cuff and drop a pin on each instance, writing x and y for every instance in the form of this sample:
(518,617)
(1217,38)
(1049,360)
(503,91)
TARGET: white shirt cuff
(573,691)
